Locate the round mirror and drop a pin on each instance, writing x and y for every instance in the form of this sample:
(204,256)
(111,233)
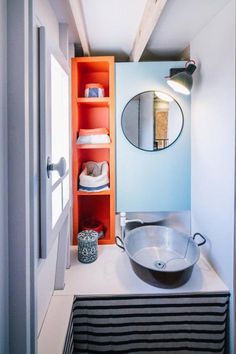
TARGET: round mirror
(152,120)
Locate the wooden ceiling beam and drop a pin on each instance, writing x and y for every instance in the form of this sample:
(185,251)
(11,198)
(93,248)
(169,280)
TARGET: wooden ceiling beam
(151,15)
(78,15)
(185,55)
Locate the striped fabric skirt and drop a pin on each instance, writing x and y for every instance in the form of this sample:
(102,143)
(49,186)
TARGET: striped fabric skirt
(148,324)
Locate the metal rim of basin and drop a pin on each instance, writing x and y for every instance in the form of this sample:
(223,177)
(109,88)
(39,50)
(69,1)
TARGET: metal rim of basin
(159,265)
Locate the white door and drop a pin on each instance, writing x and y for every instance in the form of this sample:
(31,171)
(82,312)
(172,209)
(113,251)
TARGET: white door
(54,145)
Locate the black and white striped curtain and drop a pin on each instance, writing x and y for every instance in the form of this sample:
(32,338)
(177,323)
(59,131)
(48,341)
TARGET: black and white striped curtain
(150,324)
(69,342)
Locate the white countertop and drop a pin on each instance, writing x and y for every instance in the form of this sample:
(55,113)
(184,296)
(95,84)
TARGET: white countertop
(112,274)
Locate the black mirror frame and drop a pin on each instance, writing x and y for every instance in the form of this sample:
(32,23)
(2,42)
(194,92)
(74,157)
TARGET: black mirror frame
(164,148)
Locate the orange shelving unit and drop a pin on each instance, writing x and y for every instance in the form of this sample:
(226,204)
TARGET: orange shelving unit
(89,113)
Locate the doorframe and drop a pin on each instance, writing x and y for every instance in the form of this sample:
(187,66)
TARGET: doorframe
(21,183)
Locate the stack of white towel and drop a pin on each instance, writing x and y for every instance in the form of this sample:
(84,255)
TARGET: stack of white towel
(93,136)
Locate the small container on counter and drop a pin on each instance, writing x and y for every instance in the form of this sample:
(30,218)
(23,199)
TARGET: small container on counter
(87,246)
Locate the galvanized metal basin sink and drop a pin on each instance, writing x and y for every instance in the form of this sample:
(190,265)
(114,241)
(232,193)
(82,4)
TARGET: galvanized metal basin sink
(161,256)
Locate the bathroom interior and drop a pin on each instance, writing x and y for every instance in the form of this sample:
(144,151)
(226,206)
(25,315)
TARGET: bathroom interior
(121,156)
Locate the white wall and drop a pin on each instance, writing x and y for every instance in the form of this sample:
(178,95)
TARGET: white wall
(213,143)
(3,183)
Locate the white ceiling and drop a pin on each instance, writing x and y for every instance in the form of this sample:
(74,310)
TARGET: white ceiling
(179,23)
(112,25)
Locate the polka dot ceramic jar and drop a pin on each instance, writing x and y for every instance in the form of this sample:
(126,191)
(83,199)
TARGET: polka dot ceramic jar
(87,246)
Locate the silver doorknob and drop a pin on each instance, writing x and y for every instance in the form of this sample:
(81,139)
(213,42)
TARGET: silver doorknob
(60,167)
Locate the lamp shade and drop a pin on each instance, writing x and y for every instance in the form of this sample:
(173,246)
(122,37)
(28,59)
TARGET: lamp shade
(182,82)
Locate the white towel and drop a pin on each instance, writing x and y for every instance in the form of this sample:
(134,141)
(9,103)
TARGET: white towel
(94,139)
(94,176)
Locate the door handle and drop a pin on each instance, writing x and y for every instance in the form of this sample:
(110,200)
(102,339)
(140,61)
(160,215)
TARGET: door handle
(60,167)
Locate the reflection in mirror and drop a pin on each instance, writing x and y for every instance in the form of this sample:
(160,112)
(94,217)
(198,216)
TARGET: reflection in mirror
(152,120)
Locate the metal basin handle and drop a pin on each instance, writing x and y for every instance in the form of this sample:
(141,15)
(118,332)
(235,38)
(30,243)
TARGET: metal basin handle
(119,243)
(203,238)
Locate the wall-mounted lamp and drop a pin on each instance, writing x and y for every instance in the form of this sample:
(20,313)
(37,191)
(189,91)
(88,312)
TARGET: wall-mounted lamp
(180,79)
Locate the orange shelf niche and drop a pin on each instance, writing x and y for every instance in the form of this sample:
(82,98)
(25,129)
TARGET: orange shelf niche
(89,113)
(93,117)
(98,208)
(90,71)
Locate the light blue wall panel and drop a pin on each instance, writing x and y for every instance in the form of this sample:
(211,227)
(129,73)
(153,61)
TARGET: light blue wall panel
(151,181)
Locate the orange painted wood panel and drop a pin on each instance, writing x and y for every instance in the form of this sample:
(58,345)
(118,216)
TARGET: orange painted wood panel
(96,102)
(88,113)
(93,146)
(90,194)
(94,117)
